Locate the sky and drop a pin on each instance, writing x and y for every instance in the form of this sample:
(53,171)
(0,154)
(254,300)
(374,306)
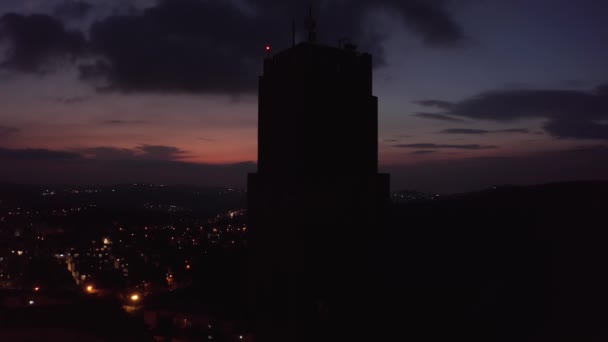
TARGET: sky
(472,93)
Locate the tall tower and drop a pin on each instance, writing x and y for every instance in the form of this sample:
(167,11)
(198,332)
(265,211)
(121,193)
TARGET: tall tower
(317,197)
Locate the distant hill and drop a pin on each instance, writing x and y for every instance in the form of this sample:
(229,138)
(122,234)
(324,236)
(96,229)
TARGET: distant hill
(511,263)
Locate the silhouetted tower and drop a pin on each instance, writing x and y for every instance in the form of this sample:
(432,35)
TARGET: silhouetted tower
(317,197)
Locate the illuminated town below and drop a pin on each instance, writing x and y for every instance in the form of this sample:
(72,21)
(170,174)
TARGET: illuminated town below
(132,245)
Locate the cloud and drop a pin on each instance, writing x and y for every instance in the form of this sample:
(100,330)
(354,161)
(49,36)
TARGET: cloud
(512,130)
(107,165)
(193,46)
(447,146)
(37,154)
(99,153)
(70,100)
(520,104)
(208,46)
(143,152)
(570,113)
(6,130)
(585,148)
(123,122)
(464,131)
(482,131)
(36,41)
(178,46)
(435,104)
(72,9)
(430,20)
(424,152)
(577,129)
(474,174)
(435,116)
(159,152)
(108,153)
(67,167)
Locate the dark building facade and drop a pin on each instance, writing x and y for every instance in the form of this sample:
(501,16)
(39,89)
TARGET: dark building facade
(317,197)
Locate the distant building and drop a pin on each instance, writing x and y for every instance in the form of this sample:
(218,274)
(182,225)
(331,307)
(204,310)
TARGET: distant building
(317,198)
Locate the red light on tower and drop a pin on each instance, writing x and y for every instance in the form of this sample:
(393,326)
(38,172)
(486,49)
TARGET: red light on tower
(268,48)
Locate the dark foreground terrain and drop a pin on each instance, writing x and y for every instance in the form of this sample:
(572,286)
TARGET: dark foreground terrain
(505,264)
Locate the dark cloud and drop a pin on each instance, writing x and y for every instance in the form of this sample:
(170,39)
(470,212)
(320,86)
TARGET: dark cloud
(72,9)
(512,130)
(577,129)
(571,113)
(205,46)
(435,116)
(473,174)
(602,89)
(207,139)
(573,83)
(587,162)
(427,18)
(584,148)
(464,131)
(123,122)
(482,131)
(391,140)
(143,152)
(6,130)
(178,46)
(35,41)
(424,152)
(101,153)
(70,100)
(435,104)
(37,154)
(448,146)
(159,152)
(522,104)
(104,165)
(430,20)
(109,153)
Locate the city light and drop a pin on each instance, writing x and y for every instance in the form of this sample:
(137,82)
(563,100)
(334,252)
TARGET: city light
(31,302)
(36,289)
(134,297)
(90,288)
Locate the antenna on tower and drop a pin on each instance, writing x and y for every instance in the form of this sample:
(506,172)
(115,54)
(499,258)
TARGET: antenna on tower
(293,32)
(311,26)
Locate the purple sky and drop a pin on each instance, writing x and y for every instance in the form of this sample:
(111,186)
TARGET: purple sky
(472,93)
